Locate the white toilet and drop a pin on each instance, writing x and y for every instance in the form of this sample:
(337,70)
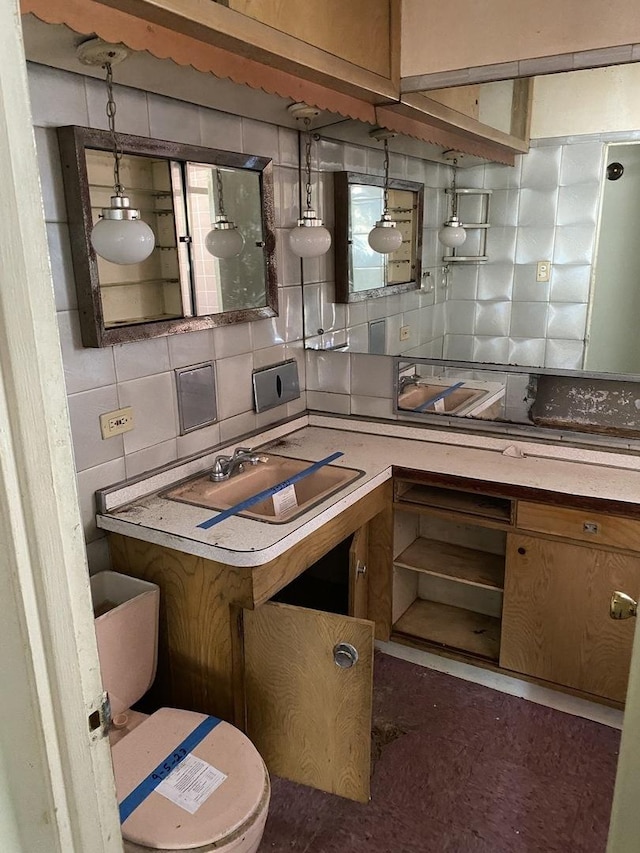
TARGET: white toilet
(221,798)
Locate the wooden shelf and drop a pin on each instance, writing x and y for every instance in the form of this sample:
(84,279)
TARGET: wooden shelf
(132,321)
(469,503)
(452,627)
(152,281)
(445,560)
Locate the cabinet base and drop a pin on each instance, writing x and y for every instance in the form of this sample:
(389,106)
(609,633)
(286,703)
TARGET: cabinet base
(493,666)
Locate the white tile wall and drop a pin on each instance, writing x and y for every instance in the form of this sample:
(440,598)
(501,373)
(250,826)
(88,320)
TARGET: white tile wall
(85,409)
(84,369)
(544,209)
(371,375)
(141,358)
(155,411)
(141,374)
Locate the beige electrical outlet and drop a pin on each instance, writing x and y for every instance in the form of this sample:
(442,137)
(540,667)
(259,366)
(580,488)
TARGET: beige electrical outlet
(114,423)
(405,333)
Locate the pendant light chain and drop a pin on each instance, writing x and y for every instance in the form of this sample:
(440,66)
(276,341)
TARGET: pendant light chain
(309,239)
(115,142)
(220,194)
(385,201)
(454,195)
(307,160)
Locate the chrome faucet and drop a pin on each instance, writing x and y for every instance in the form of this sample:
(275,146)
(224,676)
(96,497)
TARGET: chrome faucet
(405,381)
(226,466)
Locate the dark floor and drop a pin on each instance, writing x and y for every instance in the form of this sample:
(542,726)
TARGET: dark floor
(464,769)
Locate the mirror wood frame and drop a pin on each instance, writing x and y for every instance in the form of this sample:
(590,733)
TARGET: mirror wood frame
(73,141)
(341,183)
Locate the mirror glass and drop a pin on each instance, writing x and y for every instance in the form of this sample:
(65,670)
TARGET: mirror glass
(558,291)
(153,289)
(180,190)
(226,284)
(361,272)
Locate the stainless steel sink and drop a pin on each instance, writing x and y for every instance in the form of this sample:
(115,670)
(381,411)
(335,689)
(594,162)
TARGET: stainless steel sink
(269,472)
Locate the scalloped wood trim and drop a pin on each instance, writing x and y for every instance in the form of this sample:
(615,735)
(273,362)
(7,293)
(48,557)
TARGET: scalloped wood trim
(88,18)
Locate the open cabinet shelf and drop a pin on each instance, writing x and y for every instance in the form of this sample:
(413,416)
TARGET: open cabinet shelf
(489,508)
(445,560)
(449,567)
(452,627)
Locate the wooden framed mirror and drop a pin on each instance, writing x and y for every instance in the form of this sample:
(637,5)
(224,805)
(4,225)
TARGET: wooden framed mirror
(180,287)
(362,273)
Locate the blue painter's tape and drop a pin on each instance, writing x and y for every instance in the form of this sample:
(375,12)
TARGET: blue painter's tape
(148,785)
(267,493)
(437,397)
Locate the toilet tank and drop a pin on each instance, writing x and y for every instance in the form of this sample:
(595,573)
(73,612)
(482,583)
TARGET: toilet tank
(126,623)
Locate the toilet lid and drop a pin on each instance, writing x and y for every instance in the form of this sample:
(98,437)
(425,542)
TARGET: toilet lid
(157,822)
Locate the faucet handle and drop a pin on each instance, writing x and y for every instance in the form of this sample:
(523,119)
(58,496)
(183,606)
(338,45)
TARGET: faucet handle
(242,451)
(220,468)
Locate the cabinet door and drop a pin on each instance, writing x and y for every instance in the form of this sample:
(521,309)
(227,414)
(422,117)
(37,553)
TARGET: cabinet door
(555,618)
(309,718)
(358,573)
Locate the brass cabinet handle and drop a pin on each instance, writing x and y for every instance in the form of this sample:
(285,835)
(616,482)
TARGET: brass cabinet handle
(622,606)
(361,569)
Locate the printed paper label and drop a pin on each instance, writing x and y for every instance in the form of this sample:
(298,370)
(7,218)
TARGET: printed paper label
(285,500)
(191,783)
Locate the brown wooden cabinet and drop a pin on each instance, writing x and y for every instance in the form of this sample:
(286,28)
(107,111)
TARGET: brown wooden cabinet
(514,583)
(555,619)
(226,649)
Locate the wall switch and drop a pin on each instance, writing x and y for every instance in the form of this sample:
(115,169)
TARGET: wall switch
(114,423)
(543,271)
(405,333)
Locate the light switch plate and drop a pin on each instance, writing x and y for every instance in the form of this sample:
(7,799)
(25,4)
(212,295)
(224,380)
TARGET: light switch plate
(543,271)
(273,386)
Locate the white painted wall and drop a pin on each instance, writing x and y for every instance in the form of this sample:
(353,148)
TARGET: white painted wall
(614,336)
(579,102)
(56,785)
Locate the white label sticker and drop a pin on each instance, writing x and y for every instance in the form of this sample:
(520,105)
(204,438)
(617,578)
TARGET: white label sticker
(285,500)
(191,783)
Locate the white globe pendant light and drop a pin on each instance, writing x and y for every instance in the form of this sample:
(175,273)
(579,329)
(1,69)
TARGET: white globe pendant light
(452,233)
(224,240)
(310,238)
(120,235)
(384,237)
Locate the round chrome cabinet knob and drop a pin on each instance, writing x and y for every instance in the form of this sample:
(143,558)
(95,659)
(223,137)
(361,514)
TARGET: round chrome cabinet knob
(345,655)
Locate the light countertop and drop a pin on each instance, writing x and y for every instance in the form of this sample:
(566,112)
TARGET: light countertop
(136,510)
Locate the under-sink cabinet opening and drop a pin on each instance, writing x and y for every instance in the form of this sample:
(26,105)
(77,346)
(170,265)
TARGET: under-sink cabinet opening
(324,585)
